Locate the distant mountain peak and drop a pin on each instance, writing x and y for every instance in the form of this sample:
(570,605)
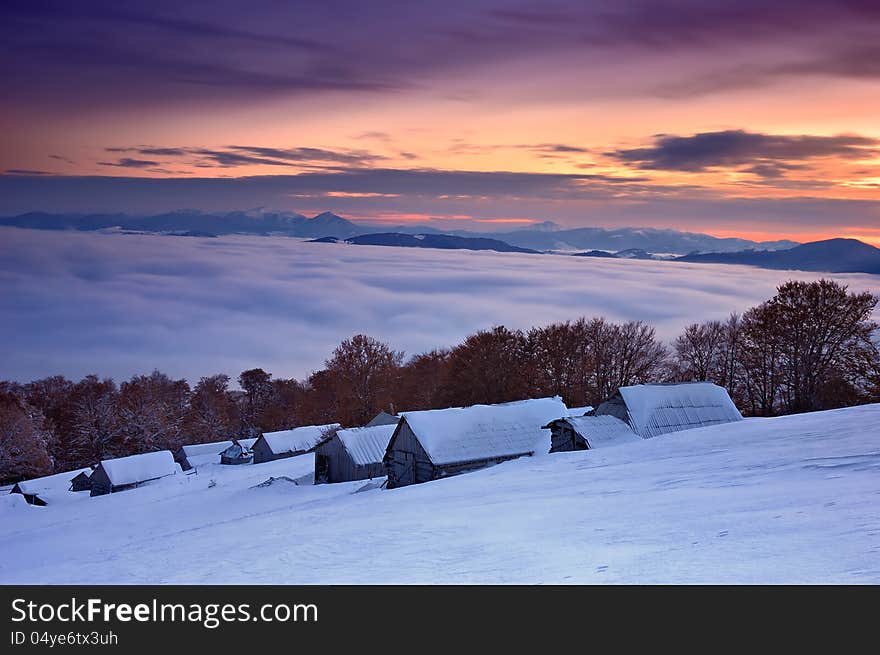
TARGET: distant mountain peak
(545,226)
(328,216)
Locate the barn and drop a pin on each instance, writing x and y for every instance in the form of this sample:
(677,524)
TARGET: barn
(237,453)
(655,409)
(353,454)
(113,475)
(383,418)
(588,432)
(431,444)
(193,455)
(82,481)
(287,443)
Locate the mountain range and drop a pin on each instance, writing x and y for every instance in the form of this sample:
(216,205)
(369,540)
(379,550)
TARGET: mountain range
(544,236)
(441,241)
(236,222)
(831,256)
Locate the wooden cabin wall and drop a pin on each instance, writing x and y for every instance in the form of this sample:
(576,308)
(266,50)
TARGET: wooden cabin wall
(407,462)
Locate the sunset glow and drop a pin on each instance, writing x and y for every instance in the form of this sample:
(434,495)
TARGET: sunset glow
(751,120)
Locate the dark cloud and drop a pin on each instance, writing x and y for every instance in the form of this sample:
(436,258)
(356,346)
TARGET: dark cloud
(732,148)
(559,147)
(149,150)
(127,162)
(241,155)
(25,171)
(160,52)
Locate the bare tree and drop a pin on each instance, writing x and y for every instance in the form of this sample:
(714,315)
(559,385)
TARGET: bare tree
(422,381)
(258,391)
(621,355)
(23,442)
(213,412)
(97,426)
(283,410)
(697,351)
(561,361)
(824,332)
(491,366)
(153,409)
(364,372)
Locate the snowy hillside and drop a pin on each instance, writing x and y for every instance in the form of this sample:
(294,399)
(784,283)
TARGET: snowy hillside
(793,499)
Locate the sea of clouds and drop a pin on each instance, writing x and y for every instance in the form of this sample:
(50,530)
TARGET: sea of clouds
(115,304)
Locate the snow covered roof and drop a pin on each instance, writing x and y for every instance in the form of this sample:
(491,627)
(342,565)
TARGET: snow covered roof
(12,501)
(602,431)
(54,482)
(579,411)
(383,418)
(138,468)
(655,409)
(367,445)
(303,438)
(198,449)
(247,443)
(236,450)
(464,434)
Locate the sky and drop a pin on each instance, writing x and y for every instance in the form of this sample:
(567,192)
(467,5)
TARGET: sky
(750,119)
(120,305)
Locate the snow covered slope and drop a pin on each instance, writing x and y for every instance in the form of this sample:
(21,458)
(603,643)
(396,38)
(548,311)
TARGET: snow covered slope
(793,499)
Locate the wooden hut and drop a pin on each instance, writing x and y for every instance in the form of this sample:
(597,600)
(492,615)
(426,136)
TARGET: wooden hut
(655,409)
(588,432)
(353,454)
(383,418)
(81,482)
(193,455)
(432,444)
(46,490)
(114,475)
(237,453)
(31,495)
(287,443)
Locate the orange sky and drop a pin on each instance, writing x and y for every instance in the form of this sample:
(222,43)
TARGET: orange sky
(671,130)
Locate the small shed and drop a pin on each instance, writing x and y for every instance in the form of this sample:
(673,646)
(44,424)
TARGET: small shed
(31,496)
(383,418)
(353,454)
(655,409)
(287,443)
(588,432)
(81,482)
(113,475)
(193,455)
(237,453)
(432,444)
(48,489)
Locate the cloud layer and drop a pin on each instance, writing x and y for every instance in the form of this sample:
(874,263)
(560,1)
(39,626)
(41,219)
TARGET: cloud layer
(76,303)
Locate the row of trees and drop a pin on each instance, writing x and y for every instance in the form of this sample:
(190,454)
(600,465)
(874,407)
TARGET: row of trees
(812,346)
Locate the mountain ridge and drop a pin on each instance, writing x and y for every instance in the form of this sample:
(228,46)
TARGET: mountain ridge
(838,255)
(435,241)
(545,236)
